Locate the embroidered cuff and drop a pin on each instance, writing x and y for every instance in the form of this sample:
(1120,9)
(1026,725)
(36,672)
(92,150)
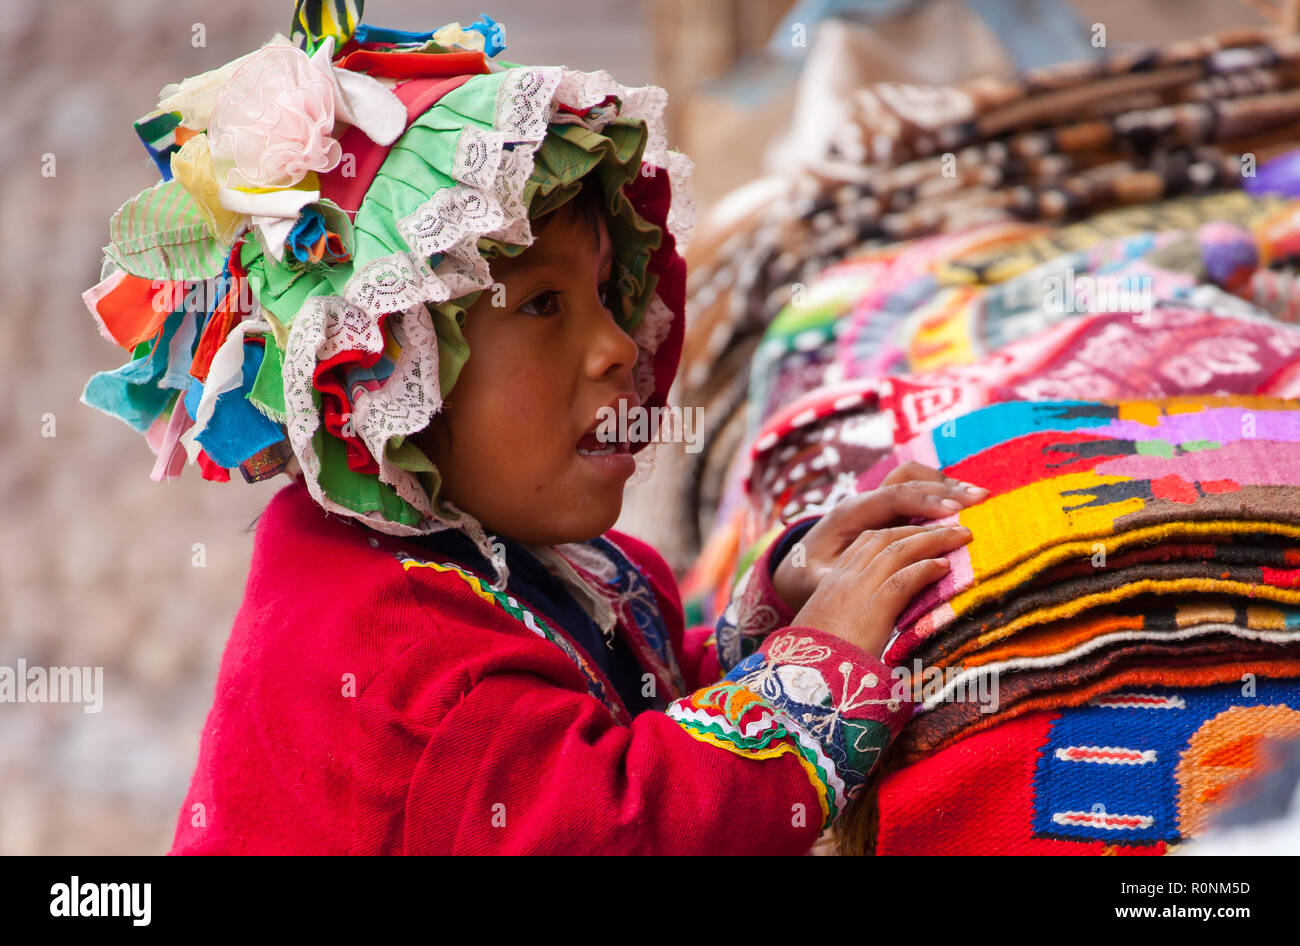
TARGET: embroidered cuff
(811,694)
(755,610)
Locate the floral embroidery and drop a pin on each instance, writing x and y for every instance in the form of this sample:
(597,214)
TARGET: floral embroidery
(800,694)
(733,717)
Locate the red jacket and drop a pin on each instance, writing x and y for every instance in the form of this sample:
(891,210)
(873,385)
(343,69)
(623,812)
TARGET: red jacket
(373,701)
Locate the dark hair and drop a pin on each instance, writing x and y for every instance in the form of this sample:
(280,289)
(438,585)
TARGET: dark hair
(589,202)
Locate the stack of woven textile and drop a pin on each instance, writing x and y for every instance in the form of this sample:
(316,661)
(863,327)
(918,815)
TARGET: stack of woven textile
(896,341)
(1118,642)
(1122,627)
(992,165)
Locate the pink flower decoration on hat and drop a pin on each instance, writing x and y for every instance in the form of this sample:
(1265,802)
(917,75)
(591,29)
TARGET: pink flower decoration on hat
(272,123)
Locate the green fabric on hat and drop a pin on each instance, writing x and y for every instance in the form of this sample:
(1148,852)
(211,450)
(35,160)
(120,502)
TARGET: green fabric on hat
(567,155)
(402,452)
(409,457)
(361,492)
(414,170)
(267,392)
(419,164)
(453,350)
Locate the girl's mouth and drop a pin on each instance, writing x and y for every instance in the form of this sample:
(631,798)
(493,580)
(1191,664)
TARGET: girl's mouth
(613,458)
(590,445)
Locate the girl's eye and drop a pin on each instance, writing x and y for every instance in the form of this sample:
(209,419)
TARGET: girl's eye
(543,304)
(547,302)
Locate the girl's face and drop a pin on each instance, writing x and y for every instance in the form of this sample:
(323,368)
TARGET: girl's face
(513,438)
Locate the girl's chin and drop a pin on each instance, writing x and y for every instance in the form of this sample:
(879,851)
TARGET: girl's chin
(597,515)
(578,531)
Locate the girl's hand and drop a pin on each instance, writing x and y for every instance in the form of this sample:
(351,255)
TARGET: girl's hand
(860,598)
(911,491)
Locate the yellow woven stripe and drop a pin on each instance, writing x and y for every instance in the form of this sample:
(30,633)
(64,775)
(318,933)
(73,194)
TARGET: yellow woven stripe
(472,580)
(1006,526)
(989,587)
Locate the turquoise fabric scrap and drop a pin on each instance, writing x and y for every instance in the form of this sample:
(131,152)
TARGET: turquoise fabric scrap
(131,392)
(237,429)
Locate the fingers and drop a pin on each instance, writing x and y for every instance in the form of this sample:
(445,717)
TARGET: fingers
(915,498)
(911,470)
(900,571)
(872,581)
(896,591)
(869,544)
(900,551)
(895,549)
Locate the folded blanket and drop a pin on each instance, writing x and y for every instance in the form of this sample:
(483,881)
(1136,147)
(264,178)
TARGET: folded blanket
(889,124)
(1106,587)
(1126,548)
(1061,641)
(1070,479)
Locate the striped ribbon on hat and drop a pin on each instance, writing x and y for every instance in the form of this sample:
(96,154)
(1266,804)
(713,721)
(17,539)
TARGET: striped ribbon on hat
(313,20)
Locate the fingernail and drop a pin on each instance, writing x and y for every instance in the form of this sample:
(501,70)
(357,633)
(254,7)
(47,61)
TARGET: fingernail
(950,504)
(941,561)
(975,490)
(960,530)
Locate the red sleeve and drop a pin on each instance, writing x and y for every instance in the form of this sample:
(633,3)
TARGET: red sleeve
(523,766)
(515,756)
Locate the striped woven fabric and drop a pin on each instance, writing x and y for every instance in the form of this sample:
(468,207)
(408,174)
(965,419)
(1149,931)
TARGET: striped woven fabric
(1082,481)
(313,20)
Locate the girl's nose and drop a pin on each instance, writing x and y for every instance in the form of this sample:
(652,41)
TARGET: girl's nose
(610,348)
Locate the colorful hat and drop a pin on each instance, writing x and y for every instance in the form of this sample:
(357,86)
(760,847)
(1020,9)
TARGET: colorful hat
(292,292)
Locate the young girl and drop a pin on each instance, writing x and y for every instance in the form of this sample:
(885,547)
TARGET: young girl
(443,647)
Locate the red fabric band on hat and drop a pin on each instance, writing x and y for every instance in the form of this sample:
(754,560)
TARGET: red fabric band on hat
(583,111)
(417,95)
(336,405)
(405,65)
(651,196)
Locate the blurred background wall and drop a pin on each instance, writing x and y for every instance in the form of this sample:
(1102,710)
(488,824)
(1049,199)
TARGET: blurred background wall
(99,565)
